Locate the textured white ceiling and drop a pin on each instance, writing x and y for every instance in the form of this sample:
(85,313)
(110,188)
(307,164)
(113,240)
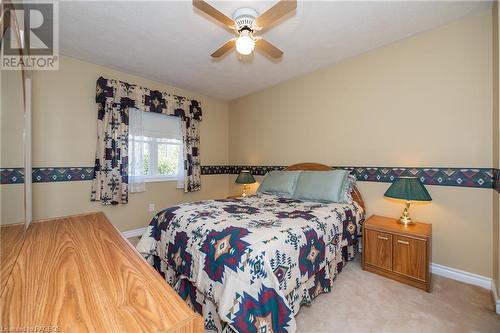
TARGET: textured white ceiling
(171,41)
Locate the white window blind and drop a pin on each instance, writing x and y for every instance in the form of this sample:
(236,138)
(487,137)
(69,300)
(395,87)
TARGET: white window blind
(157,125)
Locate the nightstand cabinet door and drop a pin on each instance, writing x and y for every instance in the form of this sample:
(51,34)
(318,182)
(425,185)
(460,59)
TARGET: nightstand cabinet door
(410,257)
(379,249)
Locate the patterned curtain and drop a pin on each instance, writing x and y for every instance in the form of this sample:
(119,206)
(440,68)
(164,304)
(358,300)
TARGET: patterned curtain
(191,139)
(113,98)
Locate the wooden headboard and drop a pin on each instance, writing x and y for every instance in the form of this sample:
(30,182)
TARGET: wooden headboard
(356,195)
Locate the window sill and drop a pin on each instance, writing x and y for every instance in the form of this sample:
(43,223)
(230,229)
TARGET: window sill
(159,179)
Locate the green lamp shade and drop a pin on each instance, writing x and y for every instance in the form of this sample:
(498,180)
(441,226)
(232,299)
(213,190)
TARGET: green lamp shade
(245,177)
(408,188)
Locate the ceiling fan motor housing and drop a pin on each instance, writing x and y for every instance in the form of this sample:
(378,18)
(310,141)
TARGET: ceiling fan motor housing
(245,19)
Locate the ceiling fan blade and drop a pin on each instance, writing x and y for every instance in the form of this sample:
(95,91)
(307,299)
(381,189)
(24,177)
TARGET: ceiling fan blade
(206,8)
(276,12)
(224,49)
(268,48)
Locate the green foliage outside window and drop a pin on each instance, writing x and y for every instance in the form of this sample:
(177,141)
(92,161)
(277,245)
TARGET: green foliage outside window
(168,157)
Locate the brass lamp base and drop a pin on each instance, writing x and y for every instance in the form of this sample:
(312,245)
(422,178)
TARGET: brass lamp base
(245,188)
(405,217)
(406,220)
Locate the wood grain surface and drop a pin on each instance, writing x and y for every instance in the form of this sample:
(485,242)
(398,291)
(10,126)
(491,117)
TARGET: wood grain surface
(399,252)
(11,241)
(419,229)
(379,249)
(79,274)
(410,257)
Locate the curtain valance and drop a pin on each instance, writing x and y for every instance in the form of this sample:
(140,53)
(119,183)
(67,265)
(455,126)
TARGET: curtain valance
(144,99)
(114,98)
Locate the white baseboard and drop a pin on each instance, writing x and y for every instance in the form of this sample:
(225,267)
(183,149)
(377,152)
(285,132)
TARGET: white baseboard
(134,232)
(462,276)
(496,300)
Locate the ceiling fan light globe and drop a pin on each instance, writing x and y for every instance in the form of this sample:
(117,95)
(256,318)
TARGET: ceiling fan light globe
(245,45)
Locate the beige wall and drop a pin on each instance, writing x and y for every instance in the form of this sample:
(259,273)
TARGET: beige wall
(64,134)
(423,101)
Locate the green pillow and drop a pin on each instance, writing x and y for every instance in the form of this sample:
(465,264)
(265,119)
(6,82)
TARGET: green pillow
(281,183)
(322,186)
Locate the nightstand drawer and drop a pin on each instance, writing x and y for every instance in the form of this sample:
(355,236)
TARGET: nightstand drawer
(378,249)
(410,257)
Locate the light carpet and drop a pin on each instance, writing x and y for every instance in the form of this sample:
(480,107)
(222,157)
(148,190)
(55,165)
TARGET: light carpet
(365,302)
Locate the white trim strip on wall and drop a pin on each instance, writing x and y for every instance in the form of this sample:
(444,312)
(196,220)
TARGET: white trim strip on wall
(134,232)
(496,300)
(28,171)
(448,272)
(462,276)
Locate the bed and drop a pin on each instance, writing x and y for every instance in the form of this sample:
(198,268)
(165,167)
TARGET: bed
(248,264)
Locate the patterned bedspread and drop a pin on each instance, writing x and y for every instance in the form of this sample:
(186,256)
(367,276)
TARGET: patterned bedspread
(248,264)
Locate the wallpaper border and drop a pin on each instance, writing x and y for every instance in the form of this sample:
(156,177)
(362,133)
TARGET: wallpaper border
(459,177)
(47,174)
(496,180)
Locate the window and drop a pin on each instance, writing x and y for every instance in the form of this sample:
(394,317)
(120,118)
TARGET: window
(160,157)
(155,147)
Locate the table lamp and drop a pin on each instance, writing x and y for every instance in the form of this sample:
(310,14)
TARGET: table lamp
(408,189)
(245,178)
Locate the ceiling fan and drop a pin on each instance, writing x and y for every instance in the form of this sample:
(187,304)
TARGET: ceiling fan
(245,23)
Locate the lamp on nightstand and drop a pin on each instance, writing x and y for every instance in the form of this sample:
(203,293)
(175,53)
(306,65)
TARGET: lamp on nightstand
(245,178)
(408,189)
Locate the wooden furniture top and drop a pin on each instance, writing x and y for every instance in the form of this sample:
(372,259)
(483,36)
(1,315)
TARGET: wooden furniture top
(79,274)
(391,225)
(11,241)
(356,195)
(308,167)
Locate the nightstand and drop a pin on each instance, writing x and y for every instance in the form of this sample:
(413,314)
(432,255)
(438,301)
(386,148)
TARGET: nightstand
(234,196)
(398,252)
